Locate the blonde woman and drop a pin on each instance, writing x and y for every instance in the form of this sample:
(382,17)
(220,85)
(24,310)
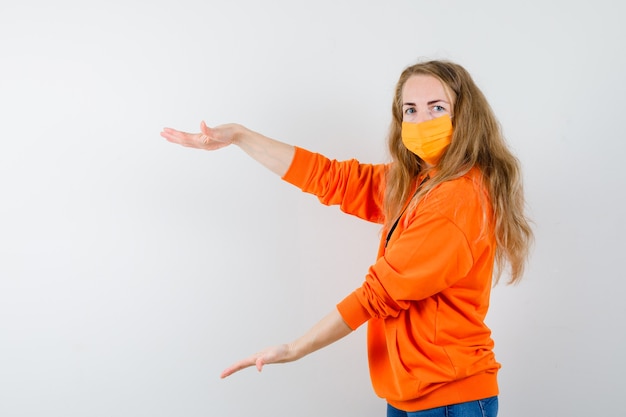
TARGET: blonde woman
(452,207)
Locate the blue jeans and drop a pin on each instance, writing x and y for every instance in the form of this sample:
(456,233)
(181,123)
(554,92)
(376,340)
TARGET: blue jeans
(481,408)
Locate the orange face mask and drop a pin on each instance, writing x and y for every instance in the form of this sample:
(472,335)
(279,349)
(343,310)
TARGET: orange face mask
(428,139)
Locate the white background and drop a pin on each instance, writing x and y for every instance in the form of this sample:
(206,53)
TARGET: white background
(132,271)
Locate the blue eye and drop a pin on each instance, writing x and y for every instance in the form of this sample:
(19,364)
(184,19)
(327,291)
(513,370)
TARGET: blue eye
(438,108)
(410,110)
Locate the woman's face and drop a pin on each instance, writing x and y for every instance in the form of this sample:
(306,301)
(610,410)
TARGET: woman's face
(424,98)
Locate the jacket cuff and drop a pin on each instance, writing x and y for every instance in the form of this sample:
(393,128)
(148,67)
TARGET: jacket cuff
(300,168)
(352,312)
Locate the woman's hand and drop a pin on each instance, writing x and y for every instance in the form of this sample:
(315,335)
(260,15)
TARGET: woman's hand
(276,354)
(328,330)
(272,154)
(208,139)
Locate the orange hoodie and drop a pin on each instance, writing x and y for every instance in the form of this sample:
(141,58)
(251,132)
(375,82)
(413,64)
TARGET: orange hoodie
(426,297)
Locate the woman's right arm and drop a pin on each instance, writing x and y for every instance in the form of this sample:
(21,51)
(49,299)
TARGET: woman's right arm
(356,187)
(272,154)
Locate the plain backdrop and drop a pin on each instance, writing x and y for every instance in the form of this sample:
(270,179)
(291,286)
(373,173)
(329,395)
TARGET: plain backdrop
(132,271)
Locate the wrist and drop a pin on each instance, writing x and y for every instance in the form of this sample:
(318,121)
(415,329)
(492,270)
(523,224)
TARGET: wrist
(239,135)
(294,351)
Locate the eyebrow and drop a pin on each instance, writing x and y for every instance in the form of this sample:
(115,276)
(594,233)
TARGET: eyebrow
(429,103)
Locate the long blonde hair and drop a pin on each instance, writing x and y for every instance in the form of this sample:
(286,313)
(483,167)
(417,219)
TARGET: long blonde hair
(477,141)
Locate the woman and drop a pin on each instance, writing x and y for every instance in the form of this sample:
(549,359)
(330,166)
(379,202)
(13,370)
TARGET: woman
(452,207)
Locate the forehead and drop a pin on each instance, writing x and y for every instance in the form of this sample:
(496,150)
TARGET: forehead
(424,87)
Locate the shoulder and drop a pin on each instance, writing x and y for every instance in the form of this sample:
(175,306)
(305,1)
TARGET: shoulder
(459,188)
(459,197)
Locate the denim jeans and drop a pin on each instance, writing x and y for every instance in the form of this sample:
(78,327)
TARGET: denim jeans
(481,408)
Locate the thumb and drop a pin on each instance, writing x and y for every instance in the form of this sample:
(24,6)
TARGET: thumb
(215,134)
(204,128)
(259,364)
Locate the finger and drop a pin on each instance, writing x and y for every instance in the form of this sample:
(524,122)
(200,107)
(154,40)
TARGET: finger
(169,136)
(227,372)
(173,135)
(238,366)
(193,140)
(233,369)
(175,132)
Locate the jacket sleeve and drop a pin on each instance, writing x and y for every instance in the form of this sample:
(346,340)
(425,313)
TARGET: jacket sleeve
(431,254)
(357,188)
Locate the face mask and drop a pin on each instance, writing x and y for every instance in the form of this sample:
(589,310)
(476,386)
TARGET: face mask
(428,139)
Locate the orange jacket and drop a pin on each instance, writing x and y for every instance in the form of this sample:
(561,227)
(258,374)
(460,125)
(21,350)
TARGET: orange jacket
(426,297)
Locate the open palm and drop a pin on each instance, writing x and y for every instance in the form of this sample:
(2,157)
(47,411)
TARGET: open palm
(208,139)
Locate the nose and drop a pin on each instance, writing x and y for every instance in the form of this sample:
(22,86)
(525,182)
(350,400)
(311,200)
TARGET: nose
(423,116)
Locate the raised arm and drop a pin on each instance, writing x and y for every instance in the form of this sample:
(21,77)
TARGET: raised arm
(328,330)
(274,155)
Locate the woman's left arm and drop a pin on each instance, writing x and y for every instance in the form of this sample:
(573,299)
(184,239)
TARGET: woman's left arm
(328,330)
